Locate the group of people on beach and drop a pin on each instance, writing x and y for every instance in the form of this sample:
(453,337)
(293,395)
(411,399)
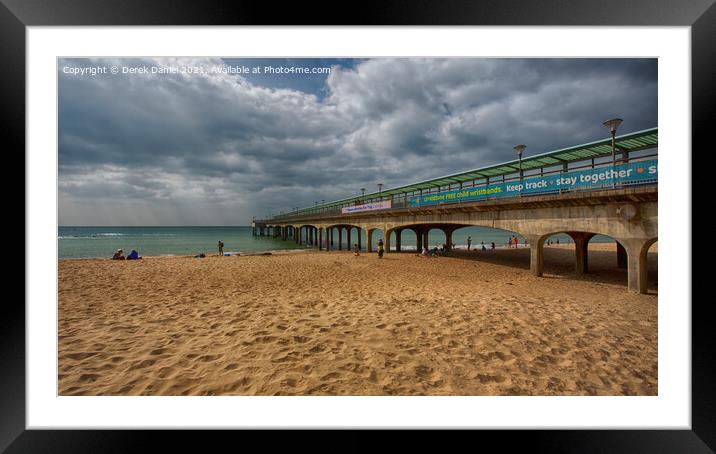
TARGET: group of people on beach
(119,255)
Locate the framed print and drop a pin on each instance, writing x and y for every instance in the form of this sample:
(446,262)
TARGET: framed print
(444,219)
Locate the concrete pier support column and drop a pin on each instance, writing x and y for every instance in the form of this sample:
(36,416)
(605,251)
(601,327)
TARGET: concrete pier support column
(386,240)
(621,256)
(636,264)
(448,238)
(581,253)
(426,239)
(397,240)
(358,233)
(419,240)
(369,240)
(536,243)
(320,239)
(348,238)
(340,238)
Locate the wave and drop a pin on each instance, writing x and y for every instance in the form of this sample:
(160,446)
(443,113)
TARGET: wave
(110,234)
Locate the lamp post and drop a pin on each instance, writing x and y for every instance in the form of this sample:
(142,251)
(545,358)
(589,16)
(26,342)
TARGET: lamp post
(612,125)
(362,194)
(380,189)
(519,149)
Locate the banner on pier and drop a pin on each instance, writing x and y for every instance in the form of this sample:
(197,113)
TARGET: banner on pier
(382,205)
(598,177)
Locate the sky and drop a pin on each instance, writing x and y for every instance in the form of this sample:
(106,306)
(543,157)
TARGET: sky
(212,141)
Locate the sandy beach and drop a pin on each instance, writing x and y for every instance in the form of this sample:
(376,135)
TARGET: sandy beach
(329,323)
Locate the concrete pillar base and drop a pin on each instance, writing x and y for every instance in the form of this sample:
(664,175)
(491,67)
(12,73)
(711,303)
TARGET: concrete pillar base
(636,264)
(536,243)
(581,243)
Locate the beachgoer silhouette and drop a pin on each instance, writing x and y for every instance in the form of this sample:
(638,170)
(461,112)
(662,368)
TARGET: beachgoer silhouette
(469,242)
(380,248)
(221,247)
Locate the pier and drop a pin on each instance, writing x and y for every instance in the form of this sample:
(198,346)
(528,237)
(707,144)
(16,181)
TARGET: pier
(600,188)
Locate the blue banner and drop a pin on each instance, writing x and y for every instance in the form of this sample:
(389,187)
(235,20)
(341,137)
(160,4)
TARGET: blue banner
(583,179)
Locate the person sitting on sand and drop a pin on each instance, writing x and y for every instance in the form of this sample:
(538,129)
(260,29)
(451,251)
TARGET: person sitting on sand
(482,243)
(118,255)
(426,252)
(134,255)
(493,245)
(356,249)
(380,248)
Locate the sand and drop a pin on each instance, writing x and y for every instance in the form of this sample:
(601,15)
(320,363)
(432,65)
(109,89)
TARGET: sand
(323,323)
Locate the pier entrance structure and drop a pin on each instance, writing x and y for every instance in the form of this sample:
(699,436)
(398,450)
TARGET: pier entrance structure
(582,190)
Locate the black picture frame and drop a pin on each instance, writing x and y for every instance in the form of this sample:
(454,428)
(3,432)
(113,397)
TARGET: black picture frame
(16,15)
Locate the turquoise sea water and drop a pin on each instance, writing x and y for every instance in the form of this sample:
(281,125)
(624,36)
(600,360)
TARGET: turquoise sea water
(88,242)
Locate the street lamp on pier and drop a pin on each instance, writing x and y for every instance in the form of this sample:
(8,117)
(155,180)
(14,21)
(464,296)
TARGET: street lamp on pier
(612,125)
(519,149)
(380,189)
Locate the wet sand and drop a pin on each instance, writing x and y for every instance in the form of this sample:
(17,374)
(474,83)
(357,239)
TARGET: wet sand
(320,323)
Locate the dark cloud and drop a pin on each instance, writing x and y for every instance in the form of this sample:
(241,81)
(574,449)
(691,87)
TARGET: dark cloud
(218,148)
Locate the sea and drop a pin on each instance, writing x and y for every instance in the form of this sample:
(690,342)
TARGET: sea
(101,242)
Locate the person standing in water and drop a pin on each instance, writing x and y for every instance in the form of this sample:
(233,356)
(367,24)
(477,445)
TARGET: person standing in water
(221,247)
(380,248)
(469,242)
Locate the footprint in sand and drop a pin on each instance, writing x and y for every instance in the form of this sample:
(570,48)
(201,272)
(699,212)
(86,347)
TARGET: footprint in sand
(142,364)
(81,355)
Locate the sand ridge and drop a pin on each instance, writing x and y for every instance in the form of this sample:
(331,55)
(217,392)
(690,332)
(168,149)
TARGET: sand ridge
(329,323)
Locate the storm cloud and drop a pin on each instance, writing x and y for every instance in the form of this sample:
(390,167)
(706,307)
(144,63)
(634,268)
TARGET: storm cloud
(217,148)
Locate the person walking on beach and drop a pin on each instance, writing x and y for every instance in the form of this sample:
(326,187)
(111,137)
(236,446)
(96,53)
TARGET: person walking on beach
(380,248)
(356,249)
(516,241)
(469,242)
(221,247)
